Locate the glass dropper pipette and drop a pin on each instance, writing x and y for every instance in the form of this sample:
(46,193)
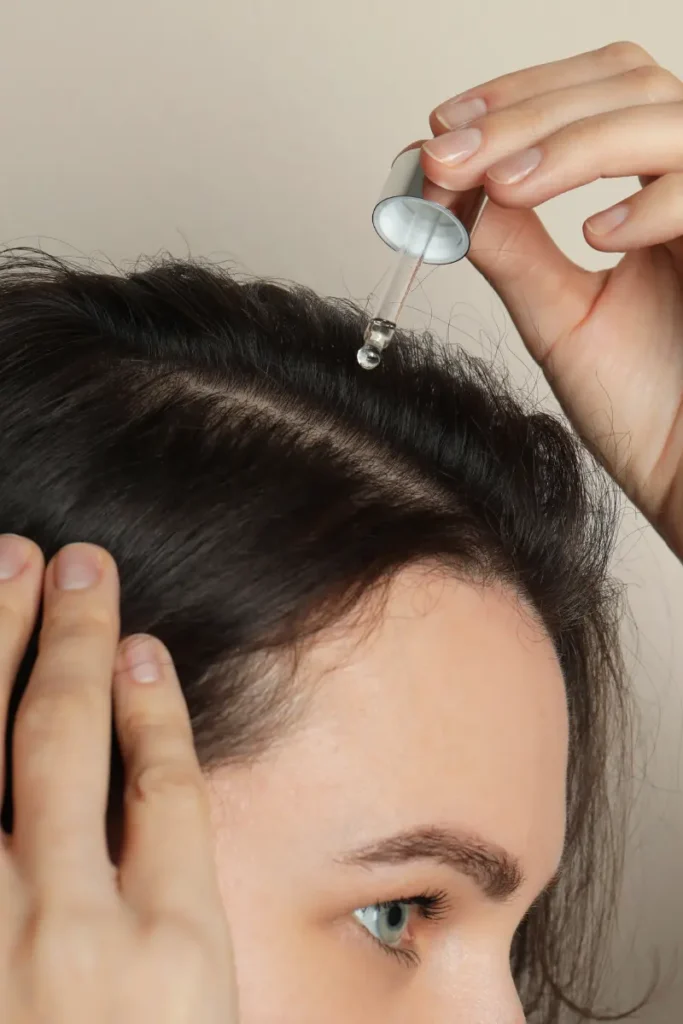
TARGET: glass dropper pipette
(407,261)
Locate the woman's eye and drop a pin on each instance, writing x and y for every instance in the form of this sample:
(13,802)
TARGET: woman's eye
(386,921)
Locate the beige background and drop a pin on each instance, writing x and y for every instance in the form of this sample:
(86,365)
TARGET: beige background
(261,132)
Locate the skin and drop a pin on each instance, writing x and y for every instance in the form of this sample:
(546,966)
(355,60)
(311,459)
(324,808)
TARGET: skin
(426,723)
(450,715)
(418,724)
(609,341)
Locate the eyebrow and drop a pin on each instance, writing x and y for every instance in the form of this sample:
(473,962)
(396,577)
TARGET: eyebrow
(496,872)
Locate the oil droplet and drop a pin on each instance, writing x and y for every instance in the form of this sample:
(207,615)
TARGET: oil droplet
(376,337)
(369,357)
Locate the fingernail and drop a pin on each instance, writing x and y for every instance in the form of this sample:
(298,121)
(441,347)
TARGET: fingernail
(515,168)
(77,567)
(454,147)
(608,220)
(142,660)
(454,113)
(14,553)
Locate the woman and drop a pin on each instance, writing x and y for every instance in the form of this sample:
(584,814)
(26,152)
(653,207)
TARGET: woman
(385,596)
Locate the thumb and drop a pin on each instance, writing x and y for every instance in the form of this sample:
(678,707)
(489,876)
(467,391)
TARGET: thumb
(545,293)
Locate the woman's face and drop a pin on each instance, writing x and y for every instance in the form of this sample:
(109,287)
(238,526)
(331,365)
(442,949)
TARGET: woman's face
(428,776)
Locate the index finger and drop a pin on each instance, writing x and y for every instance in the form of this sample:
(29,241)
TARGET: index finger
(167,861)
(21,576)
(62,731)
(516,86)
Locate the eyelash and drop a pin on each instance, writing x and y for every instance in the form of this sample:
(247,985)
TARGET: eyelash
(432,906)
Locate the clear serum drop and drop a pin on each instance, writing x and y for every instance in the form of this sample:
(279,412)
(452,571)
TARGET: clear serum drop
(381,329)
(377,336)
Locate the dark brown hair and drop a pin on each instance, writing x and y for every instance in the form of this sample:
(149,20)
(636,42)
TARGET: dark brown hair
(253,483)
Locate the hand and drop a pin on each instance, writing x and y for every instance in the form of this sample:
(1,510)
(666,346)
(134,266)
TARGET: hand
(611,342)
(82,940)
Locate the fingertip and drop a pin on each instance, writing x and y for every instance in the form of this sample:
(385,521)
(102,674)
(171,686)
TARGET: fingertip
(143,658)
(506,197)
(18,555)
(102,566)
(107,559)
(602,243)
(603,224)
(36,558)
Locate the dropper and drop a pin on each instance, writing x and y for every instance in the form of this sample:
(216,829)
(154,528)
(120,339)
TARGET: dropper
(407,262)
(419,230)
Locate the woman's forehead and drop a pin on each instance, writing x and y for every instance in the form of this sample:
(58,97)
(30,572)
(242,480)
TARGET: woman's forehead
(451,710)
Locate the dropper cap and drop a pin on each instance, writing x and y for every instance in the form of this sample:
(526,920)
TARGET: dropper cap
(420,230)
